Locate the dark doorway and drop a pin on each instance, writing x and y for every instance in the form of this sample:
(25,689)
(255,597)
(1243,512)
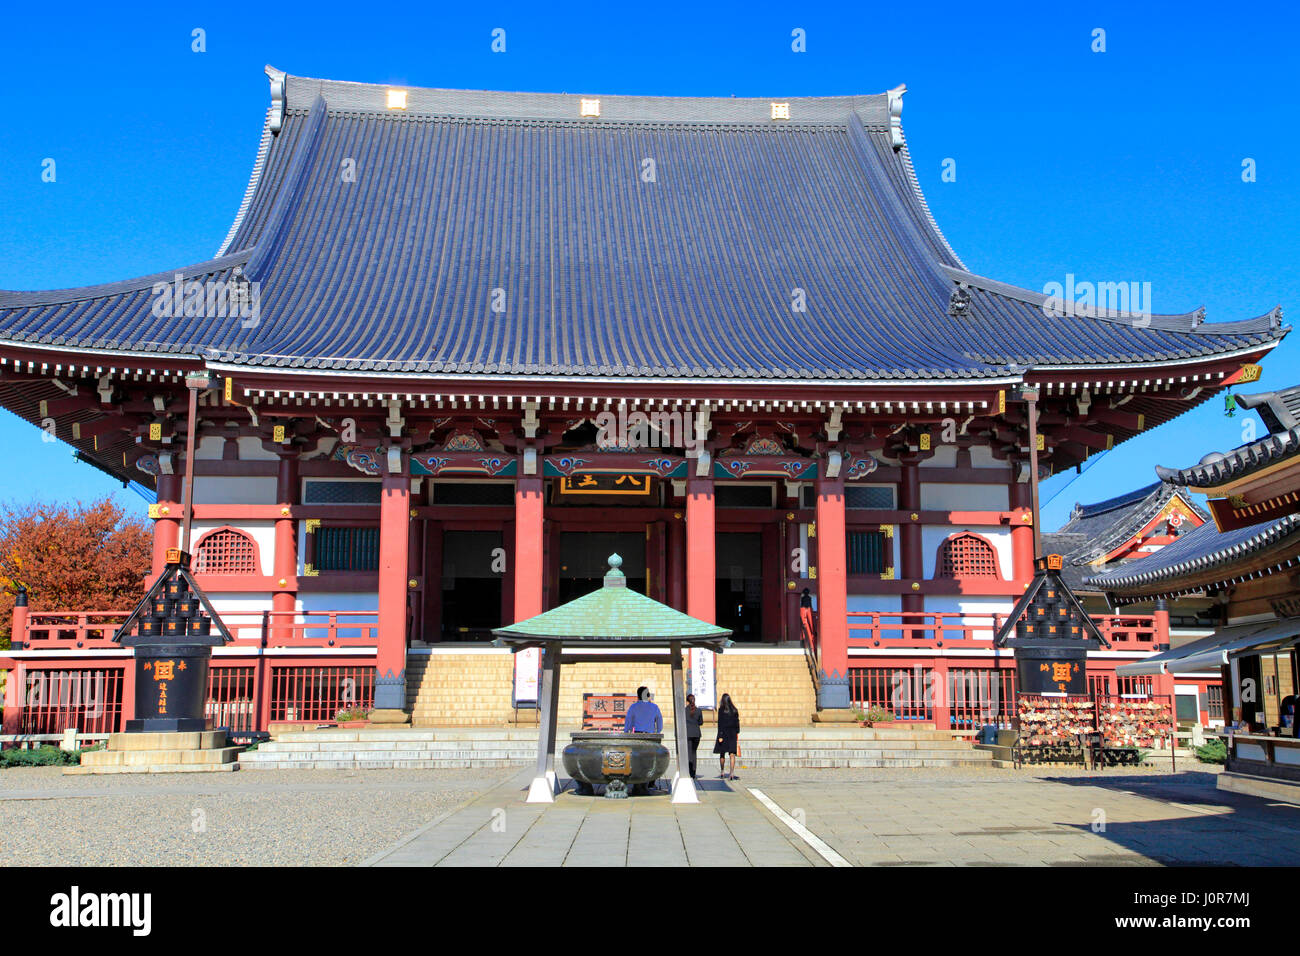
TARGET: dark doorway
(740,584)
(584,557)
(473,566)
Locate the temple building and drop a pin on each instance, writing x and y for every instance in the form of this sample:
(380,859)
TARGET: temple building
(459,347)
(1244,565)
(1132,527)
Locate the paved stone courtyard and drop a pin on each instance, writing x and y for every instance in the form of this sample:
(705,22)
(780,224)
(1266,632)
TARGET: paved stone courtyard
(939,816)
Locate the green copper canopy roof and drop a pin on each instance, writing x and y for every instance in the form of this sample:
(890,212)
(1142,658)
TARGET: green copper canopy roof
(615,614)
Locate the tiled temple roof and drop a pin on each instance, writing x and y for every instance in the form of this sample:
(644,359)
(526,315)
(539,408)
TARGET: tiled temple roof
(1202,556)
(469,200)
(1095,530)
(1279,412)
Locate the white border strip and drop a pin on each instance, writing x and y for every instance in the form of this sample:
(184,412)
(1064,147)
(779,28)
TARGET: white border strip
(813,840)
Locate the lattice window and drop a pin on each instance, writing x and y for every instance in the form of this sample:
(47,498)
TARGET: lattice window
(868,552)
(967,556)
(347,549)
(1214,694)
(226,551)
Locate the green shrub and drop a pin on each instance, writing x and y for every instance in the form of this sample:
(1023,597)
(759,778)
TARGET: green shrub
(38,757)
(352,713)
(875,715)
(1213,751)
(45,756)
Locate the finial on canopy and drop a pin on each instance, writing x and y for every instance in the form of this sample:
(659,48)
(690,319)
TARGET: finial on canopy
(614,577)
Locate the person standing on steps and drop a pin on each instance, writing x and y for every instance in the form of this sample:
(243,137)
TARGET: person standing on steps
(694,721)
(728,736)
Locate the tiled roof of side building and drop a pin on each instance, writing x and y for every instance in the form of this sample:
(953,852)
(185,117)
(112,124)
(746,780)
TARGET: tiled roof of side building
(1201,553)
(1102,527)
(504,233)
(1280,412)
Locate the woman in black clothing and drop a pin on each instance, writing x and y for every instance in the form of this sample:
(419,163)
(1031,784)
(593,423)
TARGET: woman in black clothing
(728,731)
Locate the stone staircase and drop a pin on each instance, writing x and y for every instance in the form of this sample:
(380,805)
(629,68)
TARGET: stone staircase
(500,747)
(471,687)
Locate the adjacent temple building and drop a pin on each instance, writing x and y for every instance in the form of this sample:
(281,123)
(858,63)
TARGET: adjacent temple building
(462,346)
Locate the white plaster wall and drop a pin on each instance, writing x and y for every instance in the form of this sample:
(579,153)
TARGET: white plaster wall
(964,604)
(945,456)
(241,613)
(997,535)
(210,448)
(891,603)
(263,532)
(875,602)
(981,456)
(339,601)
(250,449)
(222,490)
(963,497)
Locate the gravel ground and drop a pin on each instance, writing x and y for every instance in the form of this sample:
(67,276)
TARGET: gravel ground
(341,817)
(262,818)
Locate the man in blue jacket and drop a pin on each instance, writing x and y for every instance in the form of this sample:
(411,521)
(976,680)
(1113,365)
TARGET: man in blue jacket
(644,717)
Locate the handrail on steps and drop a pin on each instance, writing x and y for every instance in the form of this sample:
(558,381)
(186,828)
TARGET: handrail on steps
(808,638)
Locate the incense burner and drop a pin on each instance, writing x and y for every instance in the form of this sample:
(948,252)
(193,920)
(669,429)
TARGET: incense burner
(623,762)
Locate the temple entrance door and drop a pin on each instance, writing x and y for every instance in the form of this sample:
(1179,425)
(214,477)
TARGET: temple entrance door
(740,584)
(583,557)
(471,584)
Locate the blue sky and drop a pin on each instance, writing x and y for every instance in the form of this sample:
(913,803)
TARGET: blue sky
(1122,165)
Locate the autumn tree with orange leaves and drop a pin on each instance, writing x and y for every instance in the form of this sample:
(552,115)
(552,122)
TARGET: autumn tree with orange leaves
(91,557)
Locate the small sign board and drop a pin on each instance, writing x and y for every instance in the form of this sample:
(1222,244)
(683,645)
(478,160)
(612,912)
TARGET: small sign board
(605,484)
(528,666)
(1064,675)
(703,683)
(605,711)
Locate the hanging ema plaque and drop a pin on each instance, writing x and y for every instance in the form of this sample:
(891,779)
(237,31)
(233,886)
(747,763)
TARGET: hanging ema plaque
(1051,634)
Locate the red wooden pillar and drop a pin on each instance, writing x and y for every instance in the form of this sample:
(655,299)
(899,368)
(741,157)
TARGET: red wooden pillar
(166,530)
(415,568)
(939,689)
(1022,536)
(128,692)
(394,557)
(909,534)
(675,562)
(832,594)
(529,548)
(15,686)
(433,582)
(284,570)
(701,551)
(773,584)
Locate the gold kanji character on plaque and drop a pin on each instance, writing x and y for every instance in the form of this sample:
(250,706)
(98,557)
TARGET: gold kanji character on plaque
(1060,672)
(164,670)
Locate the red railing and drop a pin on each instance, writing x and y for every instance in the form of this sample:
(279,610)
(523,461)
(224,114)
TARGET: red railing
(929,628)
(242,698)
(61,630)
(88,699)
(88,629)
(980,696)
(233,698)
(907,693)
(314,694)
